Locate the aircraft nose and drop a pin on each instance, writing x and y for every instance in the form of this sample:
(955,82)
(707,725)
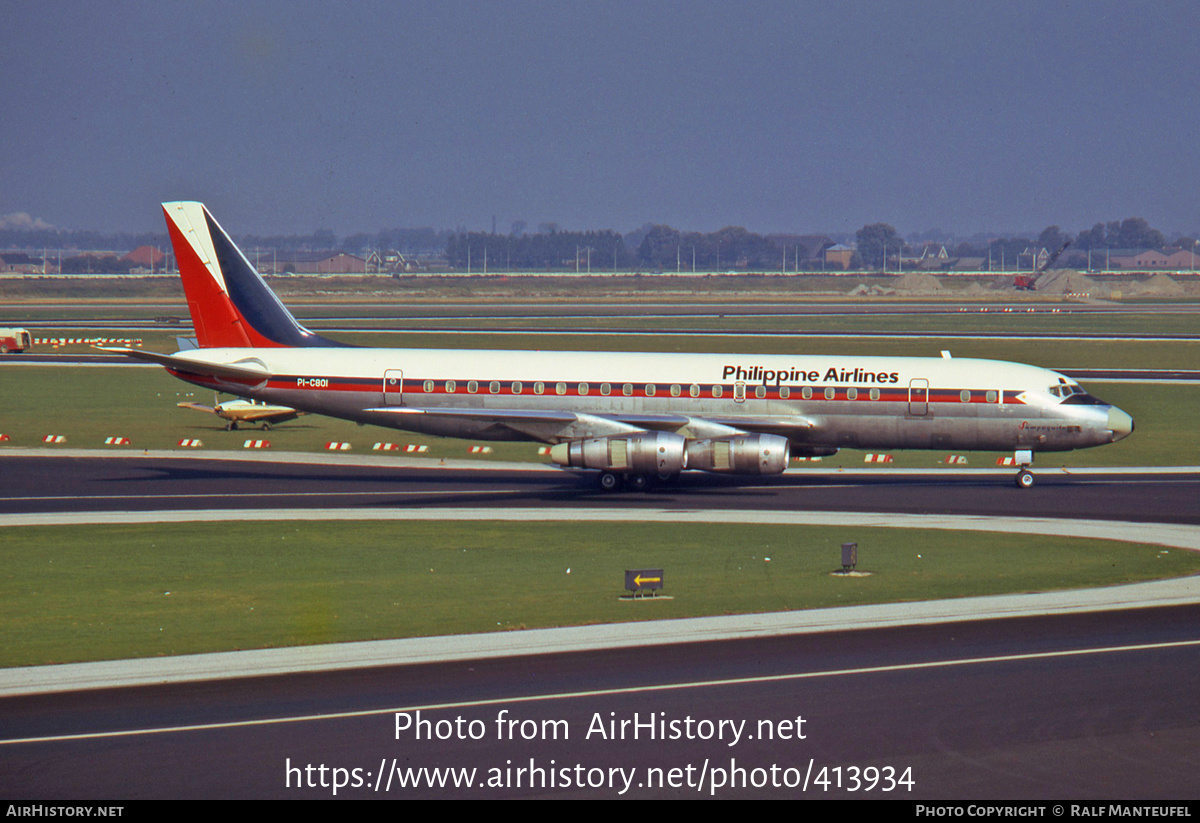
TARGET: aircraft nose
(1120,423)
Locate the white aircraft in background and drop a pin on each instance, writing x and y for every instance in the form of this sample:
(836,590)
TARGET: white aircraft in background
(631,416)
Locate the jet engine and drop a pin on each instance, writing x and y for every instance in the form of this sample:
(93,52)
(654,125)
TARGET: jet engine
(662,453)
(742,454)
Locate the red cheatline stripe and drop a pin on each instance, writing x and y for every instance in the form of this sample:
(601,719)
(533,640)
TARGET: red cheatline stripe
(661,390)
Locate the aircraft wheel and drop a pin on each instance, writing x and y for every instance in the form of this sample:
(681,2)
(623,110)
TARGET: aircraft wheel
(1024,479)
(266,426)
(609,481)
(638,482)
(3,348)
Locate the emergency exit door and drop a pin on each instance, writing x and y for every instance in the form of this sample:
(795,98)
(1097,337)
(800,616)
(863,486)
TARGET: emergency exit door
(918,397)
(393,387)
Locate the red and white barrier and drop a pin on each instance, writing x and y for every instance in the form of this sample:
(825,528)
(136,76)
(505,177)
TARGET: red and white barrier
(3,438)
(481,450)
(415,447)
(1006,461)
(337,446)
(55,438)
(807,459)
(955,459)
(190,443)
(878,458)
(257,444)
(386,447)
(74,341)
(116,441)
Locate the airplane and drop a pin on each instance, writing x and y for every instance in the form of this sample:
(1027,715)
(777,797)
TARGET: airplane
(633,417)
(246,411)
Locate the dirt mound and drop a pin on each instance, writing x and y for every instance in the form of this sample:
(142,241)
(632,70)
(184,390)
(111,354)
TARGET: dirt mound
(978,289)
(916,281)
(1069,282)
(1160,285)
(862,290)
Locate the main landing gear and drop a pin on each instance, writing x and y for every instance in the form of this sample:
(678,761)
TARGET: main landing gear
(610,481)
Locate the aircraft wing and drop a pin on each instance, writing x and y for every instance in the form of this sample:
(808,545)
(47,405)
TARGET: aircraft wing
(722,425)
(551,425)
(272,414)
(238,373)
(197,407)
(547,425)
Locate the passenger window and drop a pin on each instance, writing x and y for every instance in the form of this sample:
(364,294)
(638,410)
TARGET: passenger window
(472,386)
(538,388)
(627,390)
(760,392)
(451,386)
(517,387)
(852,394)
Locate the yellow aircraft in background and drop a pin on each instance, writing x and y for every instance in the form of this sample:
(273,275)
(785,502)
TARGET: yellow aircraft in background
(246,411)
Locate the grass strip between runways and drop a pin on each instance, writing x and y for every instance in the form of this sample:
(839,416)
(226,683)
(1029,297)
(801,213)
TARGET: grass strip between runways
(75,593)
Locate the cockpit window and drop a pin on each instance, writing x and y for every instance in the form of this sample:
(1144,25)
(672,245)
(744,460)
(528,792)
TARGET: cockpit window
(1065,390)
(1083,399)
(1074,394)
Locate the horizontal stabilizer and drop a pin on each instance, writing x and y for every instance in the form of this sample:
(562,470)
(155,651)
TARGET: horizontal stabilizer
(240,372)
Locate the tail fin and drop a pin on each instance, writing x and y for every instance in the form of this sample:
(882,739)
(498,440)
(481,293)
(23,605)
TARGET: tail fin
(230,304)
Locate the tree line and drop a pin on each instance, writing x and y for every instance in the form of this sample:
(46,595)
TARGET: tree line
(554,250)
(654,247)
(874,240)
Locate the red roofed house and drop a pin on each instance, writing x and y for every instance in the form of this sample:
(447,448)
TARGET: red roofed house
(145,257)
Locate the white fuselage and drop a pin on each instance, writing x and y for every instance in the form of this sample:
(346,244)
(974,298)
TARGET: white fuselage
(818,402)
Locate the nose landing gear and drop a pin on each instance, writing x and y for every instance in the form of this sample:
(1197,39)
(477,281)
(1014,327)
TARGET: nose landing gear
(1024,458)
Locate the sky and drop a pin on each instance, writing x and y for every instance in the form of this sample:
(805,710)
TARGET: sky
(287,117)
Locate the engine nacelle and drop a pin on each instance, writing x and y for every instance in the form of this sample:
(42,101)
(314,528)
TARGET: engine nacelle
(639,452)
(742,454)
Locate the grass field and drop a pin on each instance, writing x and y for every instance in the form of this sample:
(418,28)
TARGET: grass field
(104,592)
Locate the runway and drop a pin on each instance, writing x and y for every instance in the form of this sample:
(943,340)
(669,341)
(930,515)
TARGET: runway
(796,304)
(1083,706)
(665,317)
(1087,705)
(165,481)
